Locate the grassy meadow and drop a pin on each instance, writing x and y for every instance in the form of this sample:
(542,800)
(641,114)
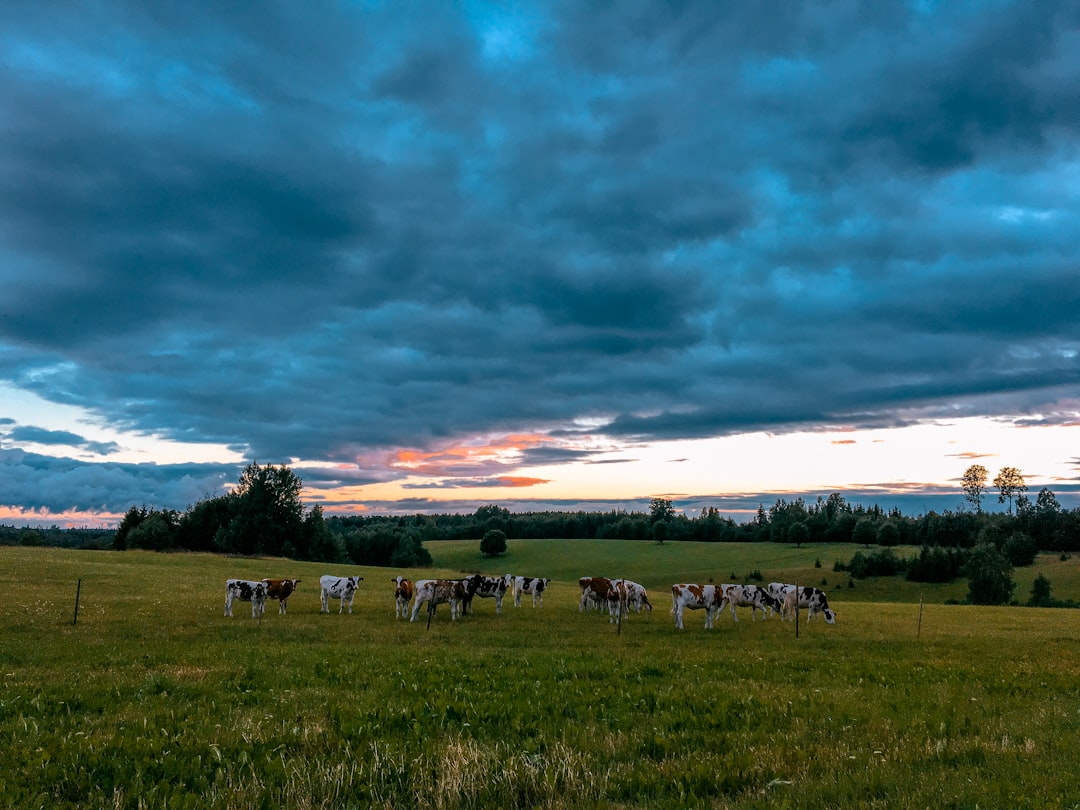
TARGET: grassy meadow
(154,699)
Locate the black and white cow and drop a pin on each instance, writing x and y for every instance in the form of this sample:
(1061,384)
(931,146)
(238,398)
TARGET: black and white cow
(246,590)
(695,597)
(535,586)
(486,587)
(812,599)
(752,596)
(438,591)
(343,588)
(779,591)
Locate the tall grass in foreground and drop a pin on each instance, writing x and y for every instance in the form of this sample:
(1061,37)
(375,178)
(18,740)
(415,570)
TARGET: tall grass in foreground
(155,700)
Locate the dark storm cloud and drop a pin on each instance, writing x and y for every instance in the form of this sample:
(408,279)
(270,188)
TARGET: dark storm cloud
(36,435)
(330,232)
(38,482)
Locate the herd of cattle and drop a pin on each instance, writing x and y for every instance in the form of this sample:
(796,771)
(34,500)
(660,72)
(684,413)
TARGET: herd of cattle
(616,596)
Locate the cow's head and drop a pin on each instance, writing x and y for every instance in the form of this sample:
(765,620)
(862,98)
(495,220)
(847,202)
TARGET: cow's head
(823,605)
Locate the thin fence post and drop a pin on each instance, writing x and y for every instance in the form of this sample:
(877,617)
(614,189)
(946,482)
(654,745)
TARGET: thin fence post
(796,609)
(618,624)
(918,629)
(78,590)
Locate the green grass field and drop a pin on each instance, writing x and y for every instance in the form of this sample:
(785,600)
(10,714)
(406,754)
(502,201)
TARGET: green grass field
(154,699)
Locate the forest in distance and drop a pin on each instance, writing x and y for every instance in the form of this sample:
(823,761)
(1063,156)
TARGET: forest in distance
(263,515)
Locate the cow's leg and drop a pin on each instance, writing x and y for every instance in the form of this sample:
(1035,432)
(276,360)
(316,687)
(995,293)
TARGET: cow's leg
(228,604)
(416,607)
(324,601)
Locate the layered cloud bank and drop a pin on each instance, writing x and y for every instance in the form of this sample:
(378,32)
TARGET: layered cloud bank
(366,237)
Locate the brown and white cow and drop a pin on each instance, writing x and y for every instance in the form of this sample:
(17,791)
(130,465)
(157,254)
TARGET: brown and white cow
(752,596)
(403,592)
(280,589)
(812,599)
(531,585)
(436,592)
(603,593)
(246,590)
(636,596)
(343,588)
(594,592)
(693,596)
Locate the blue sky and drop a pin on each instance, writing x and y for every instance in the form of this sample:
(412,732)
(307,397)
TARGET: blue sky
(551,255)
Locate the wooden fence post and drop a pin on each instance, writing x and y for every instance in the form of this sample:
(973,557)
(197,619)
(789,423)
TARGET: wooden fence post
(78,590)
(796,609)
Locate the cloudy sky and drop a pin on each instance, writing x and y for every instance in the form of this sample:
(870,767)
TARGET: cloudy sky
(547,255)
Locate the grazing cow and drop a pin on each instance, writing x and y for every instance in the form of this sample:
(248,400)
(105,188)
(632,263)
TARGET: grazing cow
(751,596)
(343,588)
(403,592)
(779,592)
(695,597)
(280,589)
(812,599)
(603,593)
(636,596)
(245,590)
(486,587)
(437,591)
(536,587)
(594,592)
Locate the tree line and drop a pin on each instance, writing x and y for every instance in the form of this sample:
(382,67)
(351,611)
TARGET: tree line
(263,515)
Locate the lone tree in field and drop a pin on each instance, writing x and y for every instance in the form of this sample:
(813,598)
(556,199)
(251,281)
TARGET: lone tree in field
(494,542)
(661,509)
(1010,483)
(973,484)
(661,513)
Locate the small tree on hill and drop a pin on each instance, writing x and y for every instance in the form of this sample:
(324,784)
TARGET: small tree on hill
(1040,593)
(494,542)
(864,532)
(798,533)
(888,534)
(989,576)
